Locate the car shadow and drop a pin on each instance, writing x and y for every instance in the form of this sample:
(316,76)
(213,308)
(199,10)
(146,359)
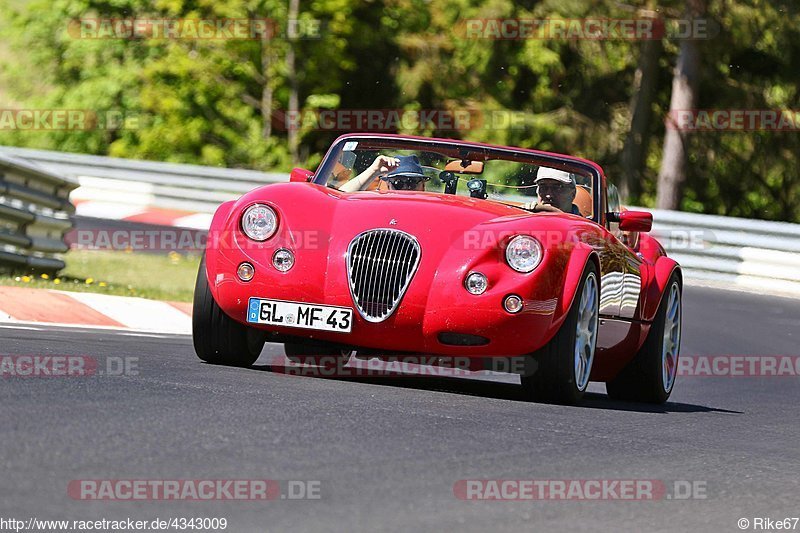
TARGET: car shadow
(487,389)
(593,400)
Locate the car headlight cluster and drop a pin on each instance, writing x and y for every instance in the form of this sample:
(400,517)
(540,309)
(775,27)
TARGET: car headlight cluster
(259,222)
(524,253)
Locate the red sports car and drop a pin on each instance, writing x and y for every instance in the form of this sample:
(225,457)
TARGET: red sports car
(401,245)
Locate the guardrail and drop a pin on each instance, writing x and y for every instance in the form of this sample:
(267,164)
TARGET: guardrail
(34,216)
(748,254)
(131,182)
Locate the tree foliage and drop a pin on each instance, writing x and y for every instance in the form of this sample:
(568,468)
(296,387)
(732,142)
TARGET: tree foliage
(200,101)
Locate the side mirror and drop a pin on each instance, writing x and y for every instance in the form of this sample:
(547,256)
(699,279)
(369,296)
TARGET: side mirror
(300,175)
(633,221)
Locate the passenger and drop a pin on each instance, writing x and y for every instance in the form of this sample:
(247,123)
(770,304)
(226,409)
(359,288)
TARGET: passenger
(401,173)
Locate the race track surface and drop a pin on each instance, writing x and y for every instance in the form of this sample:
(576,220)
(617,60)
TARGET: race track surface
(388,451)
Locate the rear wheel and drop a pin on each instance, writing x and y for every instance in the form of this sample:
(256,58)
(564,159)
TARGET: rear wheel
(561,370)
(650,376)
(218,339)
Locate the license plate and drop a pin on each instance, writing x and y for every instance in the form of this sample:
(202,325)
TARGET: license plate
(300,315)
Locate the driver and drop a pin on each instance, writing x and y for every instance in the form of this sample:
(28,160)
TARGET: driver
(401,173)
(556,190)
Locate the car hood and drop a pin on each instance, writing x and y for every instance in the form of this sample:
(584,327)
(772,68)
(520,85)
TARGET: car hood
(427,216)
(424,215)
(319,223)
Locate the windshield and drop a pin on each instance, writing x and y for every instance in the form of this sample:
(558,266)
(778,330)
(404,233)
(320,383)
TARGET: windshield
(427,167)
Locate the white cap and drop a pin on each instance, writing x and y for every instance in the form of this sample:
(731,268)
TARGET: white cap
(545,173)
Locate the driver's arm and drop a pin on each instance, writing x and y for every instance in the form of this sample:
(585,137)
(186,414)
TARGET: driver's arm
(538,207)
(382,165)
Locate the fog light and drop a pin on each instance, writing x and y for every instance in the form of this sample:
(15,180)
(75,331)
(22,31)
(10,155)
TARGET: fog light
(246,272)
(476,283)
(283,260)
(513,303)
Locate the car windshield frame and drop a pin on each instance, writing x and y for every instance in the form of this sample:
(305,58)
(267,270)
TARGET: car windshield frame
(467,150)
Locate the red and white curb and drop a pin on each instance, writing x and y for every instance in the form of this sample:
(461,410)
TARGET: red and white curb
(142,214)
(131,201)
(20,305)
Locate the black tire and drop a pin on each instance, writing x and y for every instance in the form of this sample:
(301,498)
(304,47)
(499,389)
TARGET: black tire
(218,339)
(550,375)
(642,380)
(315,354)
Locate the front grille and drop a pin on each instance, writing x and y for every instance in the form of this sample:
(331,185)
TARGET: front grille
(380,264)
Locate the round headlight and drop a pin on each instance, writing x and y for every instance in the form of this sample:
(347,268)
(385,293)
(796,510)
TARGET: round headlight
(259,222)
(524,253)
(476,283)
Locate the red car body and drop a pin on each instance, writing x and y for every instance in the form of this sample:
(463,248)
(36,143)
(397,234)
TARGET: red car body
(456,235)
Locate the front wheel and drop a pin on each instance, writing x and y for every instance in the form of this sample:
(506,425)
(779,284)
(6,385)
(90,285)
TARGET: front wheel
(650,376)
(218,339)
(562,368)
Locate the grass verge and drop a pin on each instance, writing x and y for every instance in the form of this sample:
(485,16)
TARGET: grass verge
(168,277)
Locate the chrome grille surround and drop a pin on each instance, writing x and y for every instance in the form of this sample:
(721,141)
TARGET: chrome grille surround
(380,266)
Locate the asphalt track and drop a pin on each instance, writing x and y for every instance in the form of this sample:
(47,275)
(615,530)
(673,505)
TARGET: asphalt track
(388,451)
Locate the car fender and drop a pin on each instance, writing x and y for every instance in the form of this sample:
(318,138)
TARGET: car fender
(219,237)
(579,257)
(575,257)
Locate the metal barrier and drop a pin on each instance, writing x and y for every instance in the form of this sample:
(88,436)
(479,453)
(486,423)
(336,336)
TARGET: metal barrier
(193,188)
(749,254)
(34,216)
(756,255)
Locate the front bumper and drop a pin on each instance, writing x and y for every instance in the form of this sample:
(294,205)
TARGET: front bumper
(436,316)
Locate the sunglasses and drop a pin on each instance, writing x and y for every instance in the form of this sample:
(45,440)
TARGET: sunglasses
(405,183)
